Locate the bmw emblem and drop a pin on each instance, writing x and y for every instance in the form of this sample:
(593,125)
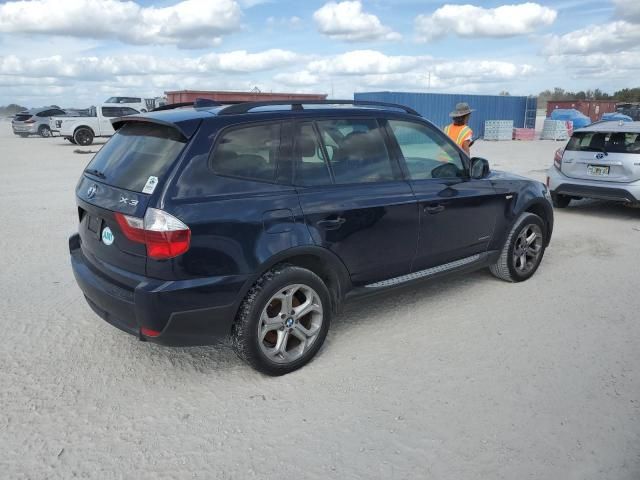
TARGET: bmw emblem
(599,156)
(92,191)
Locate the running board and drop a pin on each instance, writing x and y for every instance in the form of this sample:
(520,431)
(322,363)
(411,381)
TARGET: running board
(426,273)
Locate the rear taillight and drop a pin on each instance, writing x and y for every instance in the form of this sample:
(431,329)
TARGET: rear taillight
(31,120)
(557,158)
(163,235)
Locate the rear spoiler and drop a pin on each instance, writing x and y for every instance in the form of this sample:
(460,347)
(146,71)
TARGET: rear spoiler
(186,128)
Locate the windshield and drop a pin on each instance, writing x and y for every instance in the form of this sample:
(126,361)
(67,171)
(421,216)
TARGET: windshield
(137,152)
(610,142)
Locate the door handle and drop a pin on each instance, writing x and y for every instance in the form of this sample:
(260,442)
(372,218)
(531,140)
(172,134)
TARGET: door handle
(433,209)
(332,224)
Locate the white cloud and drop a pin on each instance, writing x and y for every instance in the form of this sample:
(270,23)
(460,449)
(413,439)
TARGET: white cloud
(242,61)
(359,62)
(473,21)
(100,68)
(347,21)
(607,38)
(628,10)
(622,65)
(187,24)
(303,78)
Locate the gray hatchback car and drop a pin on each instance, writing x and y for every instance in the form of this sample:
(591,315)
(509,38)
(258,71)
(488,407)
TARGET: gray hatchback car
(35,121)
(600,161)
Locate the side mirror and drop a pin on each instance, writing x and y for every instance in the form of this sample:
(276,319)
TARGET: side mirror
(479,168)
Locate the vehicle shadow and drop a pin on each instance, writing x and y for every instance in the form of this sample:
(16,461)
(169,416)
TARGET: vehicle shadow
(386,304)
(602,209)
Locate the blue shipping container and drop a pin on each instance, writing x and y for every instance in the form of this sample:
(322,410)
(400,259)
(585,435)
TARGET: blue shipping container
(436,107)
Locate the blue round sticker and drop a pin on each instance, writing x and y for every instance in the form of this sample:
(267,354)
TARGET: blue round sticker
(107,236)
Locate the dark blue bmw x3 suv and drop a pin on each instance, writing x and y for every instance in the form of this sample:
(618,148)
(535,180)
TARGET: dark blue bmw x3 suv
(254,222)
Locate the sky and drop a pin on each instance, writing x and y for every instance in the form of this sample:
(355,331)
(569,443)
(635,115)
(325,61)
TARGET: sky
(76,53)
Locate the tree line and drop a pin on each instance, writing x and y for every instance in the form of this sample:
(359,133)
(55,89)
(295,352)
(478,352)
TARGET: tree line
(11,109)
(558,94)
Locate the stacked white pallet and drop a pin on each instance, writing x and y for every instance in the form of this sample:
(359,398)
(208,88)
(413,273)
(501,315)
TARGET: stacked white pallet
(498,129)
(554,130)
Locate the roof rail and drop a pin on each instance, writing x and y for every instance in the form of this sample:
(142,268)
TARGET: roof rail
(246,107)
(197,103)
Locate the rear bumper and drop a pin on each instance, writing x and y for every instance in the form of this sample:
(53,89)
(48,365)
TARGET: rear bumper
(185,312)
(22,129)
(575,187)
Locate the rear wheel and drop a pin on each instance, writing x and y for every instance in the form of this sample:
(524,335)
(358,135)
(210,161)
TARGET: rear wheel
(560,201)
(523,250)
(283,320)
(83,136)
(44,131)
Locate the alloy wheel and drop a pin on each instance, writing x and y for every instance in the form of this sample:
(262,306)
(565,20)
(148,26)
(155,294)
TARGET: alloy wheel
(290,323)
(527,249)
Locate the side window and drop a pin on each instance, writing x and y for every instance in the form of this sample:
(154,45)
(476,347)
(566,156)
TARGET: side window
(426,153)
(357,151)
(124,111)
(248,152)
(111,112)
(309,166)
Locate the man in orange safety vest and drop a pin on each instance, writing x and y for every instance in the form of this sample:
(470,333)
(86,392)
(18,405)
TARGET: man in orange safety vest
(459,131)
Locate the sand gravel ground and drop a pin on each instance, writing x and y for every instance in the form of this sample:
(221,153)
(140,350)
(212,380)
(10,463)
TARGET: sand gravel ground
(466,378)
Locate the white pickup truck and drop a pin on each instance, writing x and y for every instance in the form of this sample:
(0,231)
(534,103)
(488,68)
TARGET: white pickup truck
(82,130)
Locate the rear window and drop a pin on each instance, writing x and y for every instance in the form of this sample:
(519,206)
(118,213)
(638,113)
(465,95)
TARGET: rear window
(137,152)
(21,117)
(610,142)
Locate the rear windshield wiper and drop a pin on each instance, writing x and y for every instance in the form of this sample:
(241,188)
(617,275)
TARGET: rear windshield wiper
(95,172)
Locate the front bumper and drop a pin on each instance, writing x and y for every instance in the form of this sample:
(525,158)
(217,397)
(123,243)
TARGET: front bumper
(185,312)
(575,187)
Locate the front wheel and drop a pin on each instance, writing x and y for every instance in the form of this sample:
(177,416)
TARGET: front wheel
(523,250)
(283,320)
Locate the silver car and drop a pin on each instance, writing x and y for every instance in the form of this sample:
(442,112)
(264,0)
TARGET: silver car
(35,121)
(600,161)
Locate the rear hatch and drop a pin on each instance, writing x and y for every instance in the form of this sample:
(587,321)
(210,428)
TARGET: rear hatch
(603,156)
(122,179)
(23,121)
(21,117)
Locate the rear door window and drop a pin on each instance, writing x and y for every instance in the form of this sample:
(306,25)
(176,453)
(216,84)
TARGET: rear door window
(357,151)
(124,111)
(111,112)
(137,152)
(309,164)
(248,152)
(610,142)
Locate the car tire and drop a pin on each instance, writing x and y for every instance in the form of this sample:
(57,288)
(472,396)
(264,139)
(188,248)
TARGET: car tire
(523,251)
(83,136)
(283,320)
(560,201)
(44,131)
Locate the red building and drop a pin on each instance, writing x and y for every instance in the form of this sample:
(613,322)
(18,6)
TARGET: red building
(591,108)
(180,96)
